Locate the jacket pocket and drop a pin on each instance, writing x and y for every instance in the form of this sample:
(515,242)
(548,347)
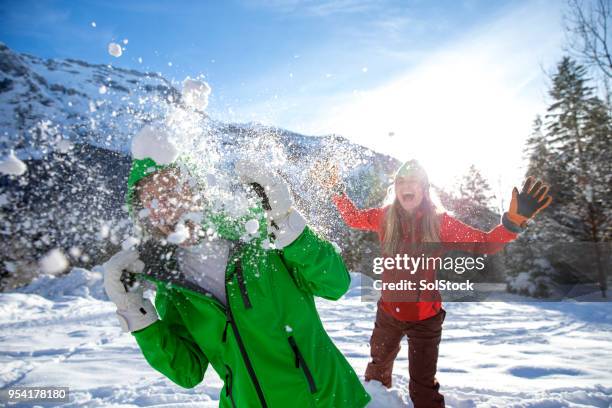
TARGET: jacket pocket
(300,362)
(229,383)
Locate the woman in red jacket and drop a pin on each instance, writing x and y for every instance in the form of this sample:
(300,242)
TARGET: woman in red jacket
(412,218)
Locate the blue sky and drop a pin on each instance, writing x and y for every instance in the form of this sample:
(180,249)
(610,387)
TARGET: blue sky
(448,82)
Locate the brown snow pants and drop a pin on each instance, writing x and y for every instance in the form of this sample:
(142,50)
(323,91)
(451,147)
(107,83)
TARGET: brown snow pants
(423,341)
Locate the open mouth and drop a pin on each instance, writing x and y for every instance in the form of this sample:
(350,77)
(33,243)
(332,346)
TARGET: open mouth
(407,196)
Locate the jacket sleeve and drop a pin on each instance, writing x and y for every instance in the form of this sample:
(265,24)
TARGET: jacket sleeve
(316,266)
(368,220)
(169,348)
(454,231)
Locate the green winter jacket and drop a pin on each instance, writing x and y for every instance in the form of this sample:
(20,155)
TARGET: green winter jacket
(268,345)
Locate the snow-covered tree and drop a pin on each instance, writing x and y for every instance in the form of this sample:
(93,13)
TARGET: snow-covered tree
(570,151)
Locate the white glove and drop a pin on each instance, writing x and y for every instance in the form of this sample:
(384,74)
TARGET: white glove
(133,310)
(289,228)
(275,188)
(287,222)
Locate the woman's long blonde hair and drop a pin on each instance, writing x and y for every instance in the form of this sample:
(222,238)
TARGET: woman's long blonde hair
(430,222)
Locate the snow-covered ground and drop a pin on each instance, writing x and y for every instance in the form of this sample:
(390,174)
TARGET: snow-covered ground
(504,354)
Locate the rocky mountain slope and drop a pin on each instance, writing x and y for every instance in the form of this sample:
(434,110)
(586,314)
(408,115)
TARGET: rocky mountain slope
(71,122)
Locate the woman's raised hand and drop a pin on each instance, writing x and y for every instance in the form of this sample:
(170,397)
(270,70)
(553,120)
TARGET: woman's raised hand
(532,199)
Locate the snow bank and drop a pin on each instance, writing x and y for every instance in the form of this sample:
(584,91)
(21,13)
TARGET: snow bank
(360,285)
(493,354)
(79,282)
(383,397)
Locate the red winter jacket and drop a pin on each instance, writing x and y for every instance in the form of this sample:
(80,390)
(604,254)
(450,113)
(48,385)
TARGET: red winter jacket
(451,231)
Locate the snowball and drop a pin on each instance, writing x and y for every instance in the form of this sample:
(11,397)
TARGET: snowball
(10,266)
(114,49)
(12,165)
(125,41)
(140,60)
(129,243)
(102,89)
(195,93)
(154,143)
(252,226)
(180,234)
(93,24)
(64,146)
(195,217)
(288,329)
(104,231)
(53,262)
(266,244)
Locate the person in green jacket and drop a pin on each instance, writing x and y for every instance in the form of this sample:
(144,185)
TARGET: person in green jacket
(235,293)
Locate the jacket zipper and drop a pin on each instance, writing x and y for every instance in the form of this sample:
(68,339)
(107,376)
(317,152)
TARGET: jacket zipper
(229,380)
(247,361)
(242,285)
(230,322)
(300,362)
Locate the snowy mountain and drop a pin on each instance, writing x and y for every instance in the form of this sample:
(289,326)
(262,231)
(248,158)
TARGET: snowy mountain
(45,101)
(72,123)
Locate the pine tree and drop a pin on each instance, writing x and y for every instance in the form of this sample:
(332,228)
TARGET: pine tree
(570,151)
(475,189)
(473,201)
(578,136)
(536,152)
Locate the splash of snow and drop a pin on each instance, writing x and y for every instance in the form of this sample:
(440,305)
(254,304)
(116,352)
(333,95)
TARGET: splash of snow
(180,234)
(252,226)
(155,144)
(129,243)
(102,89)
(115,50)
(54,262)
(64,146)
(11,165)
(75,252)
(195,93)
